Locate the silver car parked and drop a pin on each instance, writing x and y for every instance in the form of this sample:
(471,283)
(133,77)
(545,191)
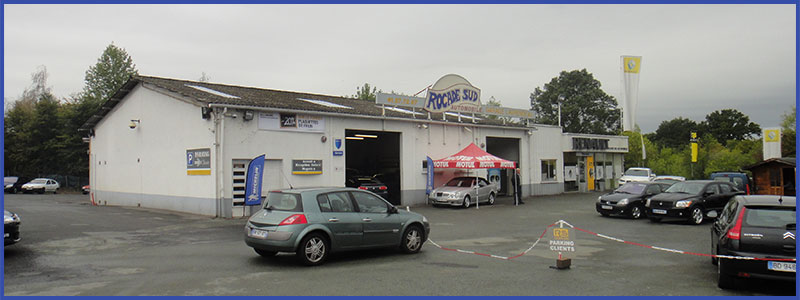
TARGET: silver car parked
(461,191)
(314,222)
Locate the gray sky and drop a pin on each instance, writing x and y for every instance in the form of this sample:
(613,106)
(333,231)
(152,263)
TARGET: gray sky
(695,58)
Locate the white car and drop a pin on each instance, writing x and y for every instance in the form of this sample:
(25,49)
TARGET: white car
(41,185)
(636,175)
(461,191)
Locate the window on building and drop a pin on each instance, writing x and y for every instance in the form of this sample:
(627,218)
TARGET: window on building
(549,170)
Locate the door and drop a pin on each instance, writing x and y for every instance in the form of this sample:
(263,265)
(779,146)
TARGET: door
(713,198)
(341,218)
(484,189)
(380,227)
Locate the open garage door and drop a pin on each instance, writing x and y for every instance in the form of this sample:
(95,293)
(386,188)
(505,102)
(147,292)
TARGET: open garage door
(508,149)
(375,155)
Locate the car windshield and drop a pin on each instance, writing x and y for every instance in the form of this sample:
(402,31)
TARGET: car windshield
(460,182)
(39,181)
(686,187)
(284,202)
(631,172)
(631,188)
(774,217)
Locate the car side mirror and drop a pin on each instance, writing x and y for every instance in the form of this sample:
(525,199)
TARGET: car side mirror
(392,209)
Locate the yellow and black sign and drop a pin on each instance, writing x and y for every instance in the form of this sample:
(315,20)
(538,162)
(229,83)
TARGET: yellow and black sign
(561,241)
(694,146)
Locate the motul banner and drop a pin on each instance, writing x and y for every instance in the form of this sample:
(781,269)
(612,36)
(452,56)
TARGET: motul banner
(630,90)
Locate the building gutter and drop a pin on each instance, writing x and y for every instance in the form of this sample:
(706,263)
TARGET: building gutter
(331,114)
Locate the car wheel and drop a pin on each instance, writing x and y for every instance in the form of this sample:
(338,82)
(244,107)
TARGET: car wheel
(265,253)
(55,191)
(696,217)
(724,281)
(41,191)
(313,249)
(491,198)
(412,240)
(636,212)
(466,201)
(655,220)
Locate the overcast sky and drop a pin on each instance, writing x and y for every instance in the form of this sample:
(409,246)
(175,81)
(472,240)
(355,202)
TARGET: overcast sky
(695,58)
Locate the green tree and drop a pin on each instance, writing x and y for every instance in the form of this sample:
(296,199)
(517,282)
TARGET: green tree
(585,107)
(674,133)
(789,133)
(20,123)
(365,93)
(113,68)
(634,156)
(730,124)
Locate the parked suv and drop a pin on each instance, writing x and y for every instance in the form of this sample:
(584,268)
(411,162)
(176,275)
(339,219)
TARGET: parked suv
(636,175)
(741,180)
(628,200)
(691,200)
(761,227)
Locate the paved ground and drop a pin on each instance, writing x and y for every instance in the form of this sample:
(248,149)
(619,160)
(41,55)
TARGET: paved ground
(72,248)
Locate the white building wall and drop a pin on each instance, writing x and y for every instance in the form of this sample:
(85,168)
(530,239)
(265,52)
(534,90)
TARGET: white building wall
(146,166)
(546,146)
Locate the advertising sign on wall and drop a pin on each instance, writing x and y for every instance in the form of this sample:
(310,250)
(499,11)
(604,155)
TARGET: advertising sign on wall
(290,122)
(306,166)
(453,93)
(198,161)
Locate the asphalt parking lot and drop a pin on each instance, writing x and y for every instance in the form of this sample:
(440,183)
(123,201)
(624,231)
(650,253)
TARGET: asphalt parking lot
(69,247)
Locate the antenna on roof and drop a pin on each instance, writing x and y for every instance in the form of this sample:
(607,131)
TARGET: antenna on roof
(287,179)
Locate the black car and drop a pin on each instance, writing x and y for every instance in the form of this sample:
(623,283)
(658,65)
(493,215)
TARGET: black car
(691,200)
(761,227)
(628,200)
(10,228)
(13,184)
(368,184)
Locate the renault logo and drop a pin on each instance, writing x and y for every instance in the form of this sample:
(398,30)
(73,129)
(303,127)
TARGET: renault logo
(788,235)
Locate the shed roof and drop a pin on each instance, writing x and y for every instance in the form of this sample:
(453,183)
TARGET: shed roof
(206,94)
(786,161)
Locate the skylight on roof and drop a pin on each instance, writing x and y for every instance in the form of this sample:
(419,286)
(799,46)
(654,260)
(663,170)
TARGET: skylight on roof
(324,103)
(400,110)
(462,115)
(210,91)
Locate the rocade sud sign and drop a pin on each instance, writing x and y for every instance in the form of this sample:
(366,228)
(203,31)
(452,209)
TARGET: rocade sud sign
(453,93)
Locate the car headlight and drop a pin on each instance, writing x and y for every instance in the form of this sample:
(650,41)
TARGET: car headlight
(9,185)
(453,195)
(647,203)
(13,218)
(598,199)
(424,219)
(623,202)
(683,203)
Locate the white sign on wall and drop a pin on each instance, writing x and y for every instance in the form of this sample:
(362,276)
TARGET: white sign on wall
(291,122)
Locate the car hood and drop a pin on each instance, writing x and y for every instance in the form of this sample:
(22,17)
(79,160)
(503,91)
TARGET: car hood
(452,189)
(672,197)
(619,196)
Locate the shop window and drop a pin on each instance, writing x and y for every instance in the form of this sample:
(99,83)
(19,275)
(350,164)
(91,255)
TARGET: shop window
(549,170)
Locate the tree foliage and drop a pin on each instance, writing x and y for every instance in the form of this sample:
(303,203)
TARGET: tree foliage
(730,124)
(113,68)
(674,133)
(585,107)
(789,133)
(365,93)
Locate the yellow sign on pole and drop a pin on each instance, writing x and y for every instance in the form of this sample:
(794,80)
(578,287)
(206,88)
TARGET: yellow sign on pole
(590,173)
(694,146)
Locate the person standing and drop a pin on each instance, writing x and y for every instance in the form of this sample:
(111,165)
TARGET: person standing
(517,188)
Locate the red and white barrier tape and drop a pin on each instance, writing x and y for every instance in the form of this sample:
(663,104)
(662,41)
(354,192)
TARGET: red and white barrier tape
(608,238)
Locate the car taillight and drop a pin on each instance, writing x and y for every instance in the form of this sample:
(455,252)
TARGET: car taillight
(736,232)
(362,188)
(747,187)
(382,188)
(294,220)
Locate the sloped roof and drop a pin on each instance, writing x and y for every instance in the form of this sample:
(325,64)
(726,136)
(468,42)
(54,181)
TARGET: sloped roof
(788,161)
(205,94)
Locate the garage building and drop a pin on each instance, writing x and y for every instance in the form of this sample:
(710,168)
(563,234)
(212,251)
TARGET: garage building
(185,145)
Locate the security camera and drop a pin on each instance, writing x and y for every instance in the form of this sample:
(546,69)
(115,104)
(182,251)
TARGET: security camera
(132,125)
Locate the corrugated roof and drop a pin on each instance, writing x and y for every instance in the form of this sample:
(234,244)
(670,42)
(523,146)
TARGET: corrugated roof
(224,94)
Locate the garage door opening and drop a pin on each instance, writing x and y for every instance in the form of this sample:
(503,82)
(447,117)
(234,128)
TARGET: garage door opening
(376,155)
(508,149)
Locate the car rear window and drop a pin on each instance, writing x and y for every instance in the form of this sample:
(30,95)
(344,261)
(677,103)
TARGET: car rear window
(775,217)
(284,202)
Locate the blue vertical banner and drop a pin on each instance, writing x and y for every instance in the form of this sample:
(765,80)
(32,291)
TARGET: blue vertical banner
(429,184)
(255,173)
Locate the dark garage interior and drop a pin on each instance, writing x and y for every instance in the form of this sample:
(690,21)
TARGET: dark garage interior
(375,154)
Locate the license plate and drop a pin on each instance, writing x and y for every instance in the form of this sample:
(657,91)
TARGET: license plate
(258,233)
(606,207)
(781,266)
(660,211)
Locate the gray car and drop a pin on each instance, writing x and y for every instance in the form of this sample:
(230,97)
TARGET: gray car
(461,191)
(314,222)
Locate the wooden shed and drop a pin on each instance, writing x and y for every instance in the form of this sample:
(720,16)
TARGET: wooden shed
(774,176)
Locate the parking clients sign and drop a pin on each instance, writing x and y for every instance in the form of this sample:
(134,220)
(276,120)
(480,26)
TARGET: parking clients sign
(561,241)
